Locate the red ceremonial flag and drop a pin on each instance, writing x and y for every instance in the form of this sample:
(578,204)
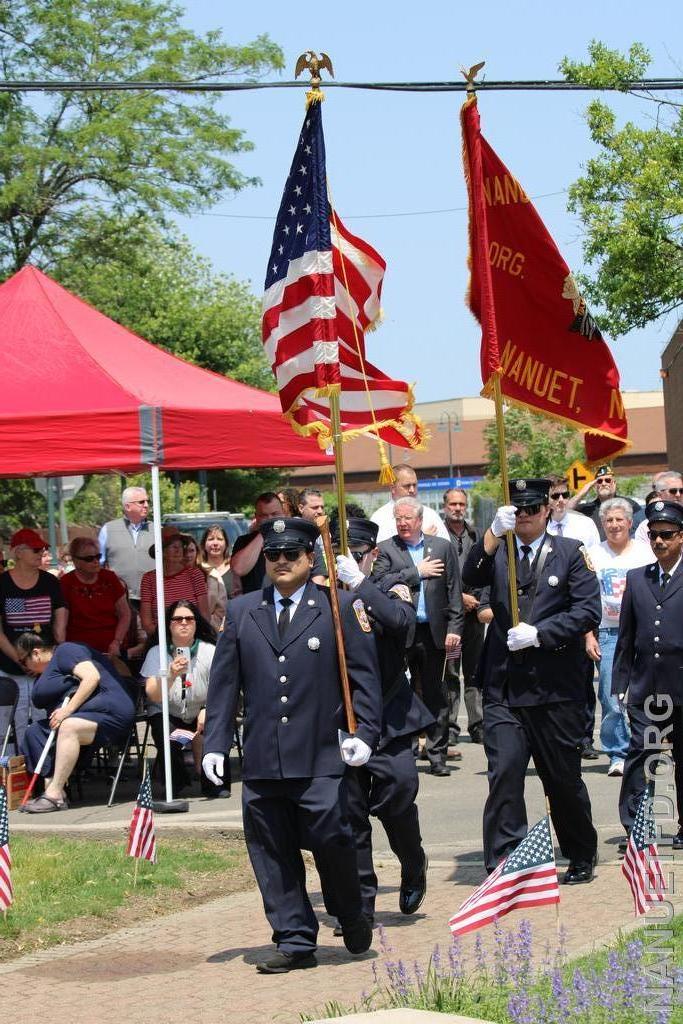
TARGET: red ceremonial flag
(537,332)
(6,895)
(526,878)
(641,862)
(322,293)
(141,838)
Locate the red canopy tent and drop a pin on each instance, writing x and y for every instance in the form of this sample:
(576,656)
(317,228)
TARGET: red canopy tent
(81,394)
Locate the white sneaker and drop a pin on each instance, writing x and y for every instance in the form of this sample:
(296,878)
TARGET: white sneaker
(616,767)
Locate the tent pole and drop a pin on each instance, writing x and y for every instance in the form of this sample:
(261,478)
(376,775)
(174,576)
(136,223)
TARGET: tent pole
(169,804)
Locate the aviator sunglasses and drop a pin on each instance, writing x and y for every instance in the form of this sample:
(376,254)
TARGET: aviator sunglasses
(662,534)
(560,494)
(291,554)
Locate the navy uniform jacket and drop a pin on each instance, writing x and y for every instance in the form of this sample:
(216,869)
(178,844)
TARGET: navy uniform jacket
(649,654)
(443,594)
(566,606)
(293,705)
(393,619)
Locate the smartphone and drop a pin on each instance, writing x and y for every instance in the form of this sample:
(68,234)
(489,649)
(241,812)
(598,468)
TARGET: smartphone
(184,652)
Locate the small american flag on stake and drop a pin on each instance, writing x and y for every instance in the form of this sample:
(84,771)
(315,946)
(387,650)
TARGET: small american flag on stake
(141,839)
(641,862)
(6,895)
(526,878)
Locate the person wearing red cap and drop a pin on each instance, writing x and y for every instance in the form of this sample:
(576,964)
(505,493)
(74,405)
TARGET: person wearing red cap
(30,600)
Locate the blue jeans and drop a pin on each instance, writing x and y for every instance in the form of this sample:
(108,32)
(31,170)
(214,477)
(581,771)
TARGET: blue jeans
(25,712)
(614,730)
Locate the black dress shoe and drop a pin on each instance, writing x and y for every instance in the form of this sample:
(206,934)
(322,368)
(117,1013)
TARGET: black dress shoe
(578,872)
(440,769)
(338,931)
(357,935)
(677,842)
(589,753)
(477,734)
(281,963)
(411,896)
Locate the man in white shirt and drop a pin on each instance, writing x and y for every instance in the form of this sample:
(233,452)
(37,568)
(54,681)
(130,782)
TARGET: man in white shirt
(405,486)
(669,487)
(565,523)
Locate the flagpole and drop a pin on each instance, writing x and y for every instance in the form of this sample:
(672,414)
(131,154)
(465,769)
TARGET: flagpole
(337,444)
(505,484)
(558,926)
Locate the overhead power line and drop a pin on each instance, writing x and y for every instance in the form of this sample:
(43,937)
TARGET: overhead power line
(533,85)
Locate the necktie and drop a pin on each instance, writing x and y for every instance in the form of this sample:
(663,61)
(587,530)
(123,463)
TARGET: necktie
(559,529)
(283,617)
(524,568)
(664,579)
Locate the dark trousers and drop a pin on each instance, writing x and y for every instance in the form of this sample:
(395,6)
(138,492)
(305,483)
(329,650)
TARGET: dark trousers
(472,646)
(426,664)
(386,788)
(646,734)
(282,817)
(552,735)
(589,709)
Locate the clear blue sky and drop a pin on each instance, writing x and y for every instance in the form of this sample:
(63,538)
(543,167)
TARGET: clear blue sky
(393,156)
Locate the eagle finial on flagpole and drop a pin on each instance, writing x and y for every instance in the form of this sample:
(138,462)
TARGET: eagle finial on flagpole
(468,75)
(312,62)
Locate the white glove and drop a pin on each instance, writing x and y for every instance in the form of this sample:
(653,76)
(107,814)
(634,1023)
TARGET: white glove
(355,752)
(522,636)
(348,571)
(213,768)
(503,520)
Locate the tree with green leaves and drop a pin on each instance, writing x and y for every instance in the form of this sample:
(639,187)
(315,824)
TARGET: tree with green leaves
(535,445)
(630,198)
(67,154)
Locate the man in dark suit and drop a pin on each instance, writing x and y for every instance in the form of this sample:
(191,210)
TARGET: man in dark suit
(428,566)
(278,647)
(647,660)
(386,787)
(533,677)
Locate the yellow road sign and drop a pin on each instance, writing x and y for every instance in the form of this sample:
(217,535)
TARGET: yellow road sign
(578,475)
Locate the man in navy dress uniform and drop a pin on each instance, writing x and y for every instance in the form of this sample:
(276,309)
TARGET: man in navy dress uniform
(533,677)
(386,787)
(648,658)
(278,648)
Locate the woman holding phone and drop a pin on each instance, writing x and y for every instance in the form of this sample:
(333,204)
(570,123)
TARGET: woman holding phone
(191,644)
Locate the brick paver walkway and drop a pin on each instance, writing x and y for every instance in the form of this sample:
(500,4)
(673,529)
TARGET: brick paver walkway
(198,965)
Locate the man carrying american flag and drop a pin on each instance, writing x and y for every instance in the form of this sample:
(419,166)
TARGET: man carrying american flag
(6,895)
(141,838)
(526,878)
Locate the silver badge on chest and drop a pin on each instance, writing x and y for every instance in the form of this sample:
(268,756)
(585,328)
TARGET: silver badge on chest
(313,643)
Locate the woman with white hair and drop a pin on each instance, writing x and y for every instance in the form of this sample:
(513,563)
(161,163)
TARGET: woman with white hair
(611,560)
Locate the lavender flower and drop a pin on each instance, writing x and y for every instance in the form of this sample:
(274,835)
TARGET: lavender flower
(582,992)
(561,996)
(480,955)
(455,959)
(436,961)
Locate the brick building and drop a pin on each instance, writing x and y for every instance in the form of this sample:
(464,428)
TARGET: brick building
(672,378)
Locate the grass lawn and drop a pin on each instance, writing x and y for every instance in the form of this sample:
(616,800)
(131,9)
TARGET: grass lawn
(66,890)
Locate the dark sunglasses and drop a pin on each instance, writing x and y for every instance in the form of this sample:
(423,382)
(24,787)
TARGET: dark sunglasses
(560,494)
(605,480)
(674,490)
(360,555)
(87,558)
(291,554)
(183,618)
(662,534)
(531,510)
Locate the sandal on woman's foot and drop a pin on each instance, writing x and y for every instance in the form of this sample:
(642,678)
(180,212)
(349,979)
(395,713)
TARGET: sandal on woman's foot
(45,805)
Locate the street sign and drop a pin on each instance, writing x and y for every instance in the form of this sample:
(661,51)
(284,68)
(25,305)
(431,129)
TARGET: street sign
(578,475)
(71,485)
(441,483)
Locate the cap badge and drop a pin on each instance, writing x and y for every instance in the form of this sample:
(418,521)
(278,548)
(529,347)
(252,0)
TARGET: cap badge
(520,485)
(553,581)
(278,526)
(659,505)
(313,643)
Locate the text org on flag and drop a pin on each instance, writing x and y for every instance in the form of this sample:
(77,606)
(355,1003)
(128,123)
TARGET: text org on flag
(537,332)
(322,292)
(526,878)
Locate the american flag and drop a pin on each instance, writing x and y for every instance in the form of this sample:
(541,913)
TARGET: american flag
(526,878)
(141,839)
(24,612)
(321,280)
(6,896)
(641,861)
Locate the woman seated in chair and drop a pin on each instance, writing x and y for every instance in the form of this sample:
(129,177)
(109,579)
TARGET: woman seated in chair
(188,685)
(100,710)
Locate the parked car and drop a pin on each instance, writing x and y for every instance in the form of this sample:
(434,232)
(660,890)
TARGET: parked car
(195,523)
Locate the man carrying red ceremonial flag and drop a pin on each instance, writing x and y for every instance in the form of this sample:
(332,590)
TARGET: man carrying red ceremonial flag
(526,878)
(322,292)
(537,332)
